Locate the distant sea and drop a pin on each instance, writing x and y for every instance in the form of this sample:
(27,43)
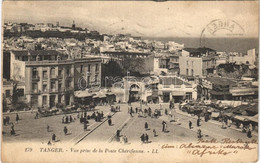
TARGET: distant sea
(219,44)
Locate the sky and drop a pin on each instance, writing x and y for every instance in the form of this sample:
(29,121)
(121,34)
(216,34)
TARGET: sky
(144,18)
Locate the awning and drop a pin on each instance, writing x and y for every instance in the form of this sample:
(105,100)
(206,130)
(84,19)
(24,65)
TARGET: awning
(215,114)
(241,118)
(228,114)
(110,93)
(81,94)
(99,95)
(253,118)
(178,93)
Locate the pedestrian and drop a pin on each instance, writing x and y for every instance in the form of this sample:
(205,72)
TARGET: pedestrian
(199,133)
(146,126)
(65,130)
(102,114)
(250,126)
(229,122)
(85,126)
(53,138)
(166,112)
(36,115)
(71,118)
(136,110)
(190,124)
(118,133)
(131,113)
(249,134)
(12,130)
(125,139)
(48,128)
(109,122)
(17,118)
(49,142)
(154,133)
(198,122)
(163,126)
(142,138)
(66,119)
(146,138)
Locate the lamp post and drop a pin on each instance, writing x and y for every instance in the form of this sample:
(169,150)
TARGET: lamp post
(141,98)
(88,82)
(127,91)
(106,82)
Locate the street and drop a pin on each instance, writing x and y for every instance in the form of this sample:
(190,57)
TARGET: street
(30,129)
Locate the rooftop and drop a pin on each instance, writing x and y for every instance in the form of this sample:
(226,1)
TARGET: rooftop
(221,81)
(35,52)
(126,53)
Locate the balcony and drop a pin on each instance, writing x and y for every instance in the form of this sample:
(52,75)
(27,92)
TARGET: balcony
(44,91)
(53,91)
(44,77)
(69,89)
(35,91)
(166,86)
(70,75)
(54,76)
(36,78)
(60,76)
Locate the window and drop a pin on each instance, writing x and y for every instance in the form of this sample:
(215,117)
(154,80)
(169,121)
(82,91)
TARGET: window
(189,95)
(59,86)
(88,79)
(59,98)
(34,73)
(35,87)
(96,78)
(67,83)
(187,71)
(20,92)
(81,68)
(44,87)
(44,100)
(7,93)
(44,74)
(187,63)
(68,71)
(52,72)
(60,72)
(53,85)
(192,63)
(89,68)
(96,67)
(192,72)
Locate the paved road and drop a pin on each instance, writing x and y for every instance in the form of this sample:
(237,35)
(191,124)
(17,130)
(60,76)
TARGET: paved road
(30,129)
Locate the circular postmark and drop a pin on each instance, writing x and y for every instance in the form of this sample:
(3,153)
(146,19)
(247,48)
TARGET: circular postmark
(221,28)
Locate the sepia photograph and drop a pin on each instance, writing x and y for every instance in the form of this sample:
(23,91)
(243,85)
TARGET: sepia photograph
(130,81)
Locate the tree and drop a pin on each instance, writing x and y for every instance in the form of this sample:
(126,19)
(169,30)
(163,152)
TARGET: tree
(133,65)
(15,95)
(110,70)
(4,103)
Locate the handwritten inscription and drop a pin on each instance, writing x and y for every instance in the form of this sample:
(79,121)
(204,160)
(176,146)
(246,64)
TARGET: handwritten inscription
(214,147)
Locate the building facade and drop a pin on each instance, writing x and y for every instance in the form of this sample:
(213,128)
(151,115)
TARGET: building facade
(50,78)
